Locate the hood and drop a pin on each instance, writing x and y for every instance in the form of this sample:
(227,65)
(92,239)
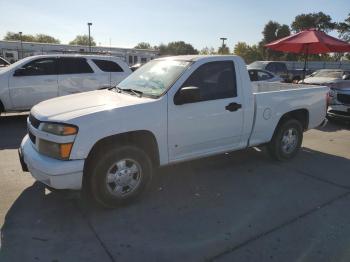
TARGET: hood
(64,108)
(320,80)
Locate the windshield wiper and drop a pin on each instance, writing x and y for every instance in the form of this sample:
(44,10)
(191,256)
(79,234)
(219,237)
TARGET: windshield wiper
(134,91)
(137,93)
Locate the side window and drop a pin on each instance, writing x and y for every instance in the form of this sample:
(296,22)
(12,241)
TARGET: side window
(43,66)
(216,80)
(107,66)
(73,65)
(253,75)
(271,67)
(263,76)
(280,67)
(130,59)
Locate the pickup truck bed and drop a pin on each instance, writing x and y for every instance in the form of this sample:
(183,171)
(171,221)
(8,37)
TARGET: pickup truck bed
(272,100)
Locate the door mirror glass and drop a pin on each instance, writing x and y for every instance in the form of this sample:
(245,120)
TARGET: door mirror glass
(185,95)
(19,72)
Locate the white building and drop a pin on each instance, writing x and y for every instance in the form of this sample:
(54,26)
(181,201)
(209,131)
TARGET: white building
(14,50)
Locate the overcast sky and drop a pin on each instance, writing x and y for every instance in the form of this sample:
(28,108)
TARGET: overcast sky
(125,23)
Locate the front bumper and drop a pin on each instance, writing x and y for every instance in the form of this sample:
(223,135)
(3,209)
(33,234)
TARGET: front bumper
(55,173)
(339,111)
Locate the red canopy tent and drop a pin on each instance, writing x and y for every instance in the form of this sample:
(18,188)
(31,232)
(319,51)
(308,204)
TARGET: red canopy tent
(309,41)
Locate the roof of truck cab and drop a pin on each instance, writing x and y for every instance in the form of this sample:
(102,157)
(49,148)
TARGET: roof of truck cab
(194,58)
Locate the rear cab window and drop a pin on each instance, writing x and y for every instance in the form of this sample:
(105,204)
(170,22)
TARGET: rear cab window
(107,66)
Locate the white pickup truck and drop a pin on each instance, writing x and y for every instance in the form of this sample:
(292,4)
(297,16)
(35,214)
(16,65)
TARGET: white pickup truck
(170,110)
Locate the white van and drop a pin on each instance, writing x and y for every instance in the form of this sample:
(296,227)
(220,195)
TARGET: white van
(38,78)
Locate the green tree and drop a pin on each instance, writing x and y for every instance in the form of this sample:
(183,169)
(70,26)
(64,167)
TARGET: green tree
(207,51)
(40,38)
(82,40)
(318,20)
(343,29)
(143,45)
(177,48)
(11,36)
(272,31)
(223,50)
(283,31)
(247,52)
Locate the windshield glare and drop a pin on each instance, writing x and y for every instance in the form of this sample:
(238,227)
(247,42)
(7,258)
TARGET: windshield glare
(257,65)
(155,77)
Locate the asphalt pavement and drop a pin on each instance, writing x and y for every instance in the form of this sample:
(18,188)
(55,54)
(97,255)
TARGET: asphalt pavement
(239,206)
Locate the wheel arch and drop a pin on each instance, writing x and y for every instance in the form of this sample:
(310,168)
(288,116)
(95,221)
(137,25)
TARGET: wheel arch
(302,115)
(143,139)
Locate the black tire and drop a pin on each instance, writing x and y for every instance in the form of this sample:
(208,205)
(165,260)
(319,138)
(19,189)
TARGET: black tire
(97,170)
(277,148)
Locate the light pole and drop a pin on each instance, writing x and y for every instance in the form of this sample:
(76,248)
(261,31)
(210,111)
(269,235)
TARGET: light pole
(20,37)
(223,44)
(89,24)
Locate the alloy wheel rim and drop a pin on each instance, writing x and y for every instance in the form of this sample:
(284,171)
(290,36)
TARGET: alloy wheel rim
(123,177)
(289,140)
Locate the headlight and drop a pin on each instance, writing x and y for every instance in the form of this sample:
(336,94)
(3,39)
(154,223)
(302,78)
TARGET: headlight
(332,93)
(59,129)
(55,150)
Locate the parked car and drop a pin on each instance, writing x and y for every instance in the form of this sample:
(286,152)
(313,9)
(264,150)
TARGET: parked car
(170,110)
(338,80)
(280,69)
(38,78)
(3,63)
(257,75)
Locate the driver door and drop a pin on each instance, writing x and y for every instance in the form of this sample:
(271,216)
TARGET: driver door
(34,82)
(213,123)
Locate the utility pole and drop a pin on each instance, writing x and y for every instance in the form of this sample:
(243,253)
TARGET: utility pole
(223,44)
(20,37)
(89,24)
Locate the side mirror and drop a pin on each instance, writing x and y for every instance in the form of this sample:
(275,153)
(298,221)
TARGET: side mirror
(346,77)
(187,95)
(19,72)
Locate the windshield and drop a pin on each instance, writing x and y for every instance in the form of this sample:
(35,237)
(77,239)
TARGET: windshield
(328,73)
(155,77)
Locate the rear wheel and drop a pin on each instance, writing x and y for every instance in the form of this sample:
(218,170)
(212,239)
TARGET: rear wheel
(119,175)
(286,141)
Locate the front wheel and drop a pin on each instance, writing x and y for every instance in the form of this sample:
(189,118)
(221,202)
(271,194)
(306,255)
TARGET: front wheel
(286,141)
(119,175)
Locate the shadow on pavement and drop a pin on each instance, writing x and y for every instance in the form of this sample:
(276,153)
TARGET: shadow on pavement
(335,125)
(192,211)
(12,129)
